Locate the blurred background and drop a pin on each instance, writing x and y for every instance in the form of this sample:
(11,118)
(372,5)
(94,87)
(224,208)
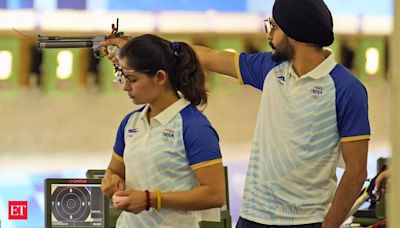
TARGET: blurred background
(59,109)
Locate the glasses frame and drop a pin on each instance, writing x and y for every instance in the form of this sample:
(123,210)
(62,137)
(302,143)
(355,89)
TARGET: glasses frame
(270,25)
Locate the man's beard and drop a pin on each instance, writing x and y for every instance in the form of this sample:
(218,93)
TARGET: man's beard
(283,51)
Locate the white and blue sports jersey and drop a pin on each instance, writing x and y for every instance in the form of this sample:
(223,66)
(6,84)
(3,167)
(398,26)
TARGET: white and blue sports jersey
(301,122)
(161,155)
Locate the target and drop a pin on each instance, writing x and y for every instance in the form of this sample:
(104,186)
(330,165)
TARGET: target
(78,203)
(71,204)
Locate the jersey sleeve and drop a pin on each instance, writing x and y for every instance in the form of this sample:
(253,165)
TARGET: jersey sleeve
(119,145)
(352,113)
(201,142)
(252,69)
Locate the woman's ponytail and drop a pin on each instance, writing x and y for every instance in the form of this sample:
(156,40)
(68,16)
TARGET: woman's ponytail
(189,76)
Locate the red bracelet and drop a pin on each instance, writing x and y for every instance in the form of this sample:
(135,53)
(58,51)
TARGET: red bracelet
(147,199)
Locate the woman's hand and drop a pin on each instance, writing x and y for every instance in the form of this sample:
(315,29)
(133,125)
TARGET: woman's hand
(112,183)
(118,42)
(131,201)
(380,182)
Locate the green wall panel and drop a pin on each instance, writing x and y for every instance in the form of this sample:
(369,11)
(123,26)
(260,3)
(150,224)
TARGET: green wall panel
(335,47)
(9,86)
(364,43)
(51,83)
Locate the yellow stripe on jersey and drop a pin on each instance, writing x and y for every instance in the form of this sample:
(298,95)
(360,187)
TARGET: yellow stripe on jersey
(206,163)
(117,157)
(354,138)
(237,68)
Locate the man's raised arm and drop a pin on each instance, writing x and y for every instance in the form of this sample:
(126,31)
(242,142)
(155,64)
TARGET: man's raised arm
(222,62)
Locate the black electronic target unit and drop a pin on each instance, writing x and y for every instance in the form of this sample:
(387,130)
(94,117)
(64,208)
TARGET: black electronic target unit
(77,203)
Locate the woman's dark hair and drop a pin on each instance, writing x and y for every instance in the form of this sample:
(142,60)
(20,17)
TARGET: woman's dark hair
(150,52)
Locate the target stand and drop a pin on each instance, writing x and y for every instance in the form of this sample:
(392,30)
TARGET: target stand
(77,203)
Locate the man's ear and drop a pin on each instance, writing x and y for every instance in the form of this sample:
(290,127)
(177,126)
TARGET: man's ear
(161,77)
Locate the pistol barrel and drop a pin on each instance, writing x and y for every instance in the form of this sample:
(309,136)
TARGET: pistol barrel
(65,44)
(64,38)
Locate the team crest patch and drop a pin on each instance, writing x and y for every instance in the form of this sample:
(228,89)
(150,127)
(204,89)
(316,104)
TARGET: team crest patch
(316,92)
(168,135)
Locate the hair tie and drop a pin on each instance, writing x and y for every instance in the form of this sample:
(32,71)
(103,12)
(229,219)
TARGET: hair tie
(175,47)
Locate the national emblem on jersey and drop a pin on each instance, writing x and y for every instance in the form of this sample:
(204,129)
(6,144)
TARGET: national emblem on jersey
(168,135)
(316,92)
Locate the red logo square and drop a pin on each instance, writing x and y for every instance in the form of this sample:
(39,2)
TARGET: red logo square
(18,210)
